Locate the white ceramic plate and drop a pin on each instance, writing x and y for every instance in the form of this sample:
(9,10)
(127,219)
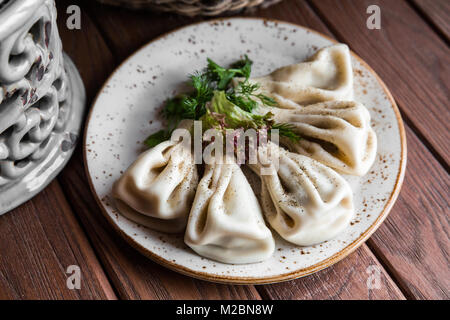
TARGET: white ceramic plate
(125,113)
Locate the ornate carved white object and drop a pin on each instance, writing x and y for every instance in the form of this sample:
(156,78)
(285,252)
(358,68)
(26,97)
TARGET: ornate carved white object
(41,100)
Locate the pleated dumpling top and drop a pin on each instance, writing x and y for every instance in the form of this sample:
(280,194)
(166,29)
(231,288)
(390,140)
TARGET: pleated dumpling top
(305,201)
(335,133)
(226,222)
(327,75)
(157,190)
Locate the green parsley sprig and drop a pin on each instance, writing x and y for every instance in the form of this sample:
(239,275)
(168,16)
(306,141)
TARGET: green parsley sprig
(215,78)
(223,76)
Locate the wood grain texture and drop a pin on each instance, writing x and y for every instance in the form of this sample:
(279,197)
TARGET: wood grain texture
(133,275)
(438,14)
(414,241)
(346,280)
(127,31)
(38,241)
(407,54)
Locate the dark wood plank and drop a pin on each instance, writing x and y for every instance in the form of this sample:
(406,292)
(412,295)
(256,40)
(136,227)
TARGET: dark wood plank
(414,240)
(38,241)
(407,54)
(127,31)
(133,275)
(346,280)
(438,13)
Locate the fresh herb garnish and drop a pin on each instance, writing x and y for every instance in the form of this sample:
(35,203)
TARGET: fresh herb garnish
(243,97)
(286,130)
(223,76)
(184,106)
(192,105)
(224,114)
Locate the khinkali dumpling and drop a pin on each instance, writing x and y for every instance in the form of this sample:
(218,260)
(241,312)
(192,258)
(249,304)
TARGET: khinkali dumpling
(226,222)
(327,75)
(336,133)
(304,201)
(157,190)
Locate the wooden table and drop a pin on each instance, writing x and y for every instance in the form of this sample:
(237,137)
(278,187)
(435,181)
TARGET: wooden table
(63,226)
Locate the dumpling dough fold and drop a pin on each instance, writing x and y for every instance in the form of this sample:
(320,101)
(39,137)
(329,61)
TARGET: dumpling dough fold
(226,222)
(327,75)
(304,201)
(336,133)
(157,190)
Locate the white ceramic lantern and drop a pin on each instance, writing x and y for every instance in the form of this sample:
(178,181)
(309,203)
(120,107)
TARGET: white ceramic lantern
(41,100)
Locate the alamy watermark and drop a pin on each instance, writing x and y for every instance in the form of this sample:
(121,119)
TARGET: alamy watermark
(374,279)
(74,19)
(374,20)
(73,281)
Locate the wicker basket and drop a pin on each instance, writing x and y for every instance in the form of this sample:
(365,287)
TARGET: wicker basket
(193,7)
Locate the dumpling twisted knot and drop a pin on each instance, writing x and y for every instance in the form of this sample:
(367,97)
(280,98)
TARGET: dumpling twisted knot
(305,201)
(158,188)
(226,222)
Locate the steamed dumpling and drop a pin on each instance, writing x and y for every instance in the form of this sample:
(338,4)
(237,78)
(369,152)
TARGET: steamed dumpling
(157,190)
(226,222)
(327,75)
(336,133)
(304,201)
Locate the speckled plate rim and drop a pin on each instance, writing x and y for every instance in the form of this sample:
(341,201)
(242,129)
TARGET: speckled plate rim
(273,279)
